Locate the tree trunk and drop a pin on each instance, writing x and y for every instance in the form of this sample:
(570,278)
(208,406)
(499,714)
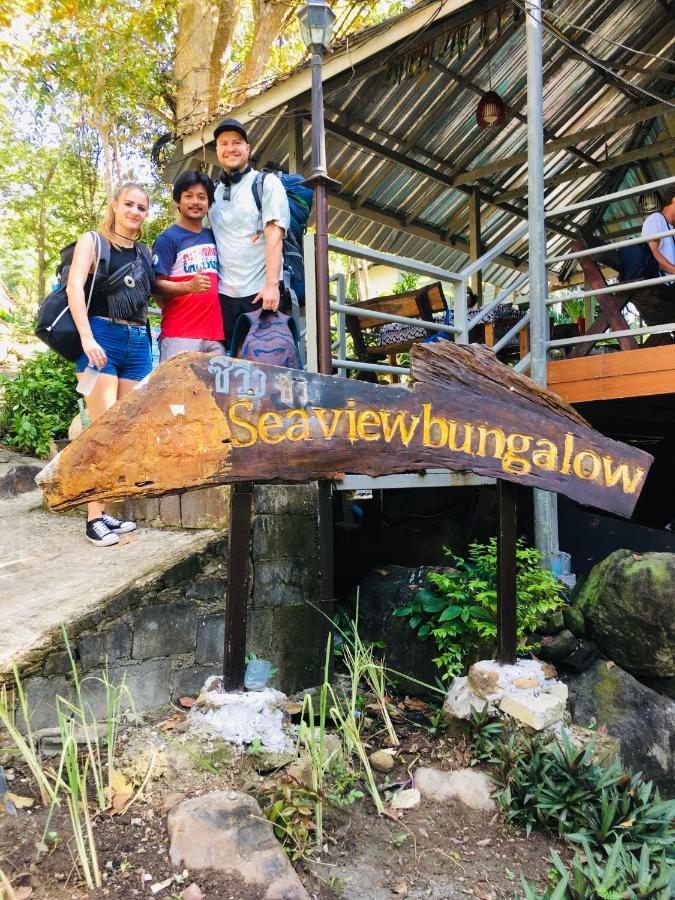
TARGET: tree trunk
(270,19)
(42,229)
(203,51)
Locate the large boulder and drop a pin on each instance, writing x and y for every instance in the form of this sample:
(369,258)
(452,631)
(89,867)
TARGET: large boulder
(383,591)
(642,720)
(629,605)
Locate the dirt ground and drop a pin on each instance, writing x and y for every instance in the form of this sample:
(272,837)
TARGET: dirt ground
(438,850)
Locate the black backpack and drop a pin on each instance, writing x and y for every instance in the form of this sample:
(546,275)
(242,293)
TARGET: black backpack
(54,325)
(638,262)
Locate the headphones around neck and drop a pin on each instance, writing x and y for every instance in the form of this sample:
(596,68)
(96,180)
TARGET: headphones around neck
(230,178)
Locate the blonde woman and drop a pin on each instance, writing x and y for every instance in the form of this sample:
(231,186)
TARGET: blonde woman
(113,329)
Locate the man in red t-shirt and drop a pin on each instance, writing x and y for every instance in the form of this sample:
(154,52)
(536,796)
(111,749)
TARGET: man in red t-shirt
(186,273)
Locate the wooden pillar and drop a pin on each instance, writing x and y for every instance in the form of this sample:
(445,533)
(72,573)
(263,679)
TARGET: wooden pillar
(236,604)
(475,247)
(295,144)
(507,628)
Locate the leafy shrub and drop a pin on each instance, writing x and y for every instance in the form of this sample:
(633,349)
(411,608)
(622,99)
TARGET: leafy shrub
(289,807)
(622,875)
(38,404)
(626,831)
(459,608)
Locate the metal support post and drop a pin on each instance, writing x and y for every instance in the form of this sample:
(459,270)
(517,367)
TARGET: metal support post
(295,144)
(236,604)
(545,503)
(475,247)
(507,626)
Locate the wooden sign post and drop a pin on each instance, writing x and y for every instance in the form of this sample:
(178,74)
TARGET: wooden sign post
(203,420)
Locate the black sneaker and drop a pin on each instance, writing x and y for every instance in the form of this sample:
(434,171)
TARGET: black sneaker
(98,533)
(117,526)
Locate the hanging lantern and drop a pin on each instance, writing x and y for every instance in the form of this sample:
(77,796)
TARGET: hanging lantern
(490,112)
(649,202)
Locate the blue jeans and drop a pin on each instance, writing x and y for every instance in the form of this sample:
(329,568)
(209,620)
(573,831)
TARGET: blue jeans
(127,348)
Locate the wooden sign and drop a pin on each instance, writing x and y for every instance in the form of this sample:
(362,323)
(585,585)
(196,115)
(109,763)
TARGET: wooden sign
(202,420)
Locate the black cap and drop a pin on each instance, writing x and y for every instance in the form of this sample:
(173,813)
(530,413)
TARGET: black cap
(230,125)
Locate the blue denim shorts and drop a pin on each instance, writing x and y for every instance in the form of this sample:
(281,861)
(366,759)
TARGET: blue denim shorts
(127,348)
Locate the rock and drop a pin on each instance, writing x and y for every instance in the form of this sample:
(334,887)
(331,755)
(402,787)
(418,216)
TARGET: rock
(642,719)
(469,786)
(555,649)
(575,621)
(525,683)
(606,749)
(461,700)
(226,831)
(381,592)
(301,770)
(484,680)
(583,657)
(270,760)
(536,711)
(408,799)
(382,761)
(19,480)
(192,892)
(548,670)
(553,624)
(629,605)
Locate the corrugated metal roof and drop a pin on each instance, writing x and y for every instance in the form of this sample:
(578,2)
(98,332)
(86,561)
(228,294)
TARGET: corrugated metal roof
(390,125)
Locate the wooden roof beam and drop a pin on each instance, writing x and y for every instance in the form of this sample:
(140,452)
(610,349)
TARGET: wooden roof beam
(403,160)
(660,149)
(394,219)
(560,143)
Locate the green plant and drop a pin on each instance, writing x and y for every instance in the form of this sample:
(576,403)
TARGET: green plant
(289,808)
(620,875)
(256,747)
(38,404)
(407,282)
(344,791)
(458,610)
(485,735)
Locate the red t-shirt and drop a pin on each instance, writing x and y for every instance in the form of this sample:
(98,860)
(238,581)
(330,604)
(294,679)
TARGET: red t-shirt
(178,254)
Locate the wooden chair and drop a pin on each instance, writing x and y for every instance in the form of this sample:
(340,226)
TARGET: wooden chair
(421,303)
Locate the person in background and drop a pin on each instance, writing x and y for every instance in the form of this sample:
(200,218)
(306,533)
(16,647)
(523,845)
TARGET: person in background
(663,250)
(249,242)
(113,331)
(186,273)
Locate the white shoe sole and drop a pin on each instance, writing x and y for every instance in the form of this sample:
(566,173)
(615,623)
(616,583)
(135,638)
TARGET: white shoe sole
(108,541)
(125,528)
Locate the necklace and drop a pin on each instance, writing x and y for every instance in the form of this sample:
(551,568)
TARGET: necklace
(126,238)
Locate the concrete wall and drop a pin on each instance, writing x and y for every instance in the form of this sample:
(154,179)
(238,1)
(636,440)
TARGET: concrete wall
(165,634)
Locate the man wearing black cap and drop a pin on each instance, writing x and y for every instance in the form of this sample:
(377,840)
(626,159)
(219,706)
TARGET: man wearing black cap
(249,242)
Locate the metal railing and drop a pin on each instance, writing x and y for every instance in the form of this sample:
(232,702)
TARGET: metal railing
(463,325)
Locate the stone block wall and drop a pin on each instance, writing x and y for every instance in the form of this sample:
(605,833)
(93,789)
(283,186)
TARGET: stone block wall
(160,634)
(203,508)
(165,634)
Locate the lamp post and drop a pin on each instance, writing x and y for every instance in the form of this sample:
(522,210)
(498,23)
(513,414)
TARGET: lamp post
(316,26)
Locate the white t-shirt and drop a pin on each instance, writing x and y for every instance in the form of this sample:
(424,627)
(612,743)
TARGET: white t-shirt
(238,228)
(654,224)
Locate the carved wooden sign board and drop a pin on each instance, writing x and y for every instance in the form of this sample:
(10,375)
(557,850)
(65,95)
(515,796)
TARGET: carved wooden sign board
(202,420)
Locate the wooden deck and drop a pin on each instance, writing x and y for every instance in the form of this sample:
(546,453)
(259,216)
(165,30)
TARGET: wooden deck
(634,373)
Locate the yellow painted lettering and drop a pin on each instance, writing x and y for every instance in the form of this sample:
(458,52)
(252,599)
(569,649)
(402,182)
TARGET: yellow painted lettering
(328,430)
(587,465)
(452,437)
(399,424)
(513,462)
(439,425)
(612,475)
(252,434)
(368,419)
(498,445)
(351,416)
(546,455)
(266,422)
(567,454)
(299,430)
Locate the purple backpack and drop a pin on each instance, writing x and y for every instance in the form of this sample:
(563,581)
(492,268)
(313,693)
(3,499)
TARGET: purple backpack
(266,337)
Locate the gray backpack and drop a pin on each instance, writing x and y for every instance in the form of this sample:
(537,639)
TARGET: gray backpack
(266,337)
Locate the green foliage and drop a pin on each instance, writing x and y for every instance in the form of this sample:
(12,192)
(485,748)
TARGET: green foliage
(38,404)
(344,790)
(407,282)
(625,829)
(458,610)
(621,875)
(289,808)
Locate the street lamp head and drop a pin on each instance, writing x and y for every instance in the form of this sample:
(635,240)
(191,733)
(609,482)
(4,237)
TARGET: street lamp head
(316,24)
